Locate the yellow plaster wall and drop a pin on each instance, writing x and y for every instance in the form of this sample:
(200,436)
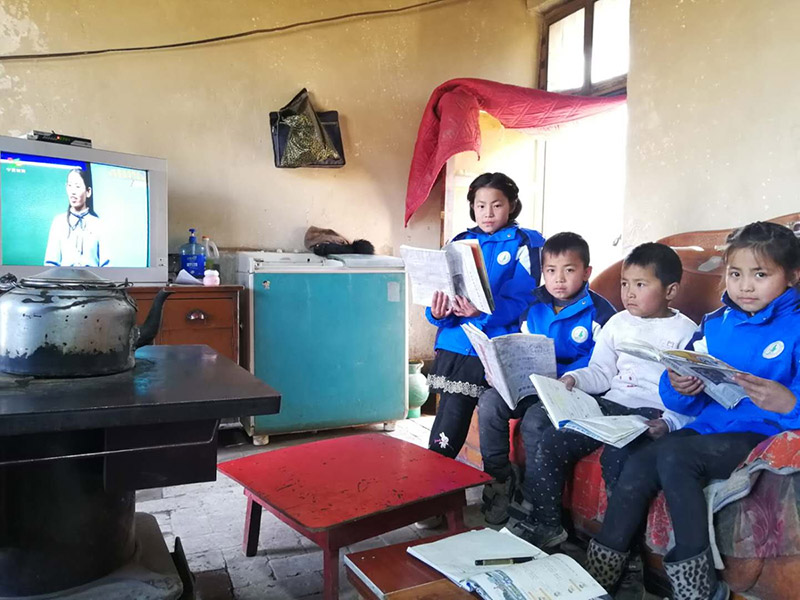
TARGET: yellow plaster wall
(714,129)
(205,109)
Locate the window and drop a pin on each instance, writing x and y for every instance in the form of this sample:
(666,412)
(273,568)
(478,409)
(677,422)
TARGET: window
(573,177)
(585,47)
(585,51)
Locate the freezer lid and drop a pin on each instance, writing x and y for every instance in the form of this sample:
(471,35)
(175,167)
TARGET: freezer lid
(251,261)
(306,259)
(369,261)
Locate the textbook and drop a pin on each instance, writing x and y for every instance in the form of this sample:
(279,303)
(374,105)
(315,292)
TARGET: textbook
(457,269)
(716,375)
(576,410)
(510,359)
(535,576)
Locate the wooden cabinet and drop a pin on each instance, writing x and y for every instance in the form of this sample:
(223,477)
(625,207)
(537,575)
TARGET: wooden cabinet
(196,315)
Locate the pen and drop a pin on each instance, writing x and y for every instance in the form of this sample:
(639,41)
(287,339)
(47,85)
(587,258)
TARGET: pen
(496,562)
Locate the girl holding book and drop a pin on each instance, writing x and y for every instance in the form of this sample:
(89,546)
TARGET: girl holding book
(511,255)
(757,331)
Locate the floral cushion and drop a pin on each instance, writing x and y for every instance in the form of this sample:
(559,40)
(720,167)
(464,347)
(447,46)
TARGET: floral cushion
(764,523)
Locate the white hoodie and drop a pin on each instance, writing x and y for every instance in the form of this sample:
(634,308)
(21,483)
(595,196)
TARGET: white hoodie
(625,379)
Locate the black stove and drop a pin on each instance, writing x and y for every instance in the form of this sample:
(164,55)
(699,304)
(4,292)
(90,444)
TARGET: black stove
(74,451)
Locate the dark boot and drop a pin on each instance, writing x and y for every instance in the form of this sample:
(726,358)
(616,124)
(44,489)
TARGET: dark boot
(604,564)
(497,498)
(631,584)
(695,578)
(546,537)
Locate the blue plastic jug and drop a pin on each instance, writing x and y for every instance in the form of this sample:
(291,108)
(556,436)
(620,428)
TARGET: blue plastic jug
(193,256)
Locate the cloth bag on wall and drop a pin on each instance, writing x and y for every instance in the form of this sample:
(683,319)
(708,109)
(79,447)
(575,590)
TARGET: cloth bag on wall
(302,137)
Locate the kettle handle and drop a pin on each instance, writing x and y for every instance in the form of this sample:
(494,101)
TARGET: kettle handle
(7,283)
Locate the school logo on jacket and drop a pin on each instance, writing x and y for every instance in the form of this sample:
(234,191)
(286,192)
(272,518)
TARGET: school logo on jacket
(773,350)
(503,257)
(580,334)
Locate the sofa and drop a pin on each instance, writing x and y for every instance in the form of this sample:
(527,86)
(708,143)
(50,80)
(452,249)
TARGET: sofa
(758,535)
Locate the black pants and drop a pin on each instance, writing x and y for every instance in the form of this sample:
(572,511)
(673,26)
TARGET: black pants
(459,380)
(681,463)
(560,449)
(451,425)
(493,417)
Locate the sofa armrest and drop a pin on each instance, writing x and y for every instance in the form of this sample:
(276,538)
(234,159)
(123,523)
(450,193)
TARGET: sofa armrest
(779,452)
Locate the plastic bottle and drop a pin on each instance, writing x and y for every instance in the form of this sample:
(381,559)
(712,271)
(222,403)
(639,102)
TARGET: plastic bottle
(211,277)
(212,252)
(193,257)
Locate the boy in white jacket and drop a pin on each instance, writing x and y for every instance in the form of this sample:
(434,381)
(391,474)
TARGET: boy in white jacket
(651,275)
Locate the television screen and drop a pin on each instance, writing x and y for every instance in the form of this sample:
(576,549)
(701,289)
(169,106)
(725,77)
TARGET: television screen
(84,207)
(64,212)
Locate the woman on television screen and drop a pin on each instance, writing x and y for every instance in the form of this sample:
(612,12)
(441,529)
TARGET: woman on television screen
(75,238)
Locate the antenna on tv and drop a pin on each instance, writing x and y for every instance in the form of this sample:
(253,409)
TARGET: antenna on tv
(59,138)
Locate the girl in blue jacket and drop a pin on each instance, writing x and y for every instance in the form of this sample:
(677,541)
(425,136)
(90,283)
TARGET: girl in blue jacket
(757,331)
(512,261)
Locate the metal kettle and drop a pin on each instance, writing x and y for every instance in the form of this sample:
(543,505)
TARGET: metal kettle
(70,322)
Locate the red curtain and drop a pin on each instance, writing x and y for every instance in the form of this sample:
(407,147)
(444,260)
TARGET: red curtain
(450,123)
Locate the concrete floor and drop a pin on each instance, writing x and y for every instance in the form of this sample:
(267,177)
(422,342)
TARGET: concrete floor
(209,519)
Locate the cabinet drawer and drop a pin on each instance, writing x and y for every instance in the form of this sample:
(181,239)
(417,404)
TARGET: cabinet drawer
(194,314)
(221,340)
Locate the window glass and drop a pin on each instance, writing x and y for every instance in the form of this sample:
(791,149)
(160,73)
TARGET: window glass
(565,60)
(584,182)
(610,39)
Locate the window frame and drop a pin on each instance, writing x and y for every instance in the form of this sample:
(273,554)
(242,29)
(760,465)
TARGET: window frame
(608,87)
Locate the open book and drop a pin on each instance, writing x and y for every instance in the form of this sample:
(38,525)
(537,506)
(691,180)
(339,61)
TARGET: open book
(716,375)
(544,577)
(577,410)
(457,270)
(510,359)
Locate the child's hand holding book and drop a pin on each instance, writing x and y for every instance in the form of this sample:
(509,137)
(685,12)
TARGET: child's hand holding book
(464,308)
(440,305)
(767,394)
(687,385)
(568,381)
(656,428)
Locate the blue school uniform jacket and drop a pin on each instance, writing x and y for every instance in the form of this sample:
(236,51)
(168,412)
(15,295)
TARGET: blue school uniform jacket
(513,264)
(766,344)
(573,329)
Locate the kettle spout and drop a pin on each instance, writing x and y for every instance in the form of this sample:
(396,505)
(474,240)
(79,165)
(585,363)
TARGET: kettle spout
(149,329)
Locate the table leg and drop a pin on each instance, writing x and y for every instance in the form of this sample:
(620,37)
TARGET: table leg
(455,520)
(330,573)
(252,527)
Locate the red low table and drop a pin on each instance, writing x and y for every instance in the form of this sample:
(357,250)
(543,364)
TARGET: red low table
(341,491)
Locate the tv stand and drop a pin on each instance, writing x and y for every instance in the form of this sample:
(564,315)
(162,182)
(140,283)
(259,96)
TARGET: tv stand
(195,314)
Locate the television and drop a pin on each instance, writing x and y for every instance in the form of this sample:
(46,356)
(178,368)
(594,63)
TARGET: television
(63,205)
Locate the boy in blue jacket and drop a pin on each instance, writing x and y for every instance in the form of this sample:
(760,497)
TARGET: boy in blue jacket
(565,310)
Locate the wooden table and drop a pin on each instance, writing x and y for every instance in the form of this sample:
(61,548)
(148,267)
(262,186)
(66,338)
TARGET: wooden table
(391,573)
(341,491)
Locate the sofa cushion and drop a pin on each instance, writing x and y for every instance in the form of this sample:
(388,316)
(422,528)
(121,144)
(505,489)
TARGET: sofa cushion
(763,524)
